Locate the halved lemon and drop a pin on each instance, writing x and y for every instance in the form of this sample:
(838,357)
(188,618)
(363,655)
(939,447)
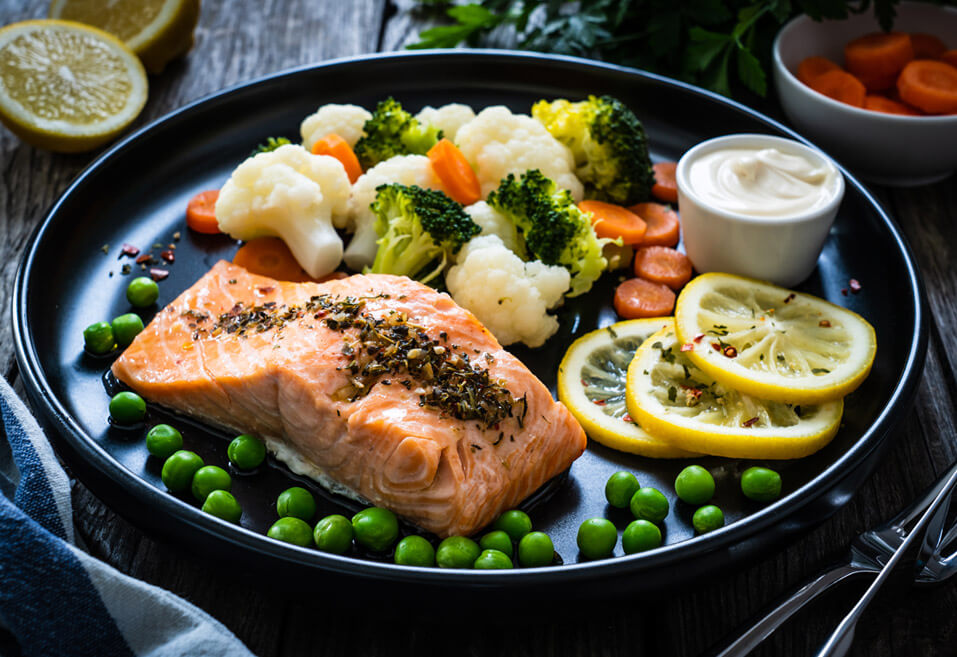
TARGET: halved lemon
(676,401)
(66,86)
(591,383)
(771,342)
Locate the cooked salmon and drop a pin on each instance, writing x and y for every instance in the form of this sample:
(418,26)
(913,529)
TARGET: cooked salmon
(375,385)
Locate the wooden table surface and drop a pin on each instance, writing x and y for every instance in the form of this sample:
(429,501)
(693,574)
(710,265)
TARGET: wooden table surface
(243,39)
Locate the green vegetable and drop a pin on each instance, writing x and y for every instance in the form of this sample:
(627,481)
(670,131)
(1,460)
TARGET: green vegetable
(333,534)
(619,489)
(98,338)
(271,144)
(694,485)
(162,440)
(127,408)
(552,227)
(492,560)
(597,538)
(707,519)
(375,528)
(497,540)
(392,131)
(640,535)
(222,504)
(419,230)
(179,468)
(291,530)
(649,504)
(536,550)
(761,484)
(126,327)
(609,145)
(515,523)
(414,551)
(142,292)
(457,552)
(296,502)
(209,478)
(246,451)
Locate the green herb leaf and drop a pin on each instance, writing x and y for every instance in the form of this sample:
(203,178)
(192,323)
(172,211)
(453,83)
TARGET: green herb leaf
(751,73)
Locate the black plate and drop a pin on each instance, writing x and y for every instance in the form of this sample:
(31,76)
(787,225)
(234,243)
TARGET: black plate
(137,191)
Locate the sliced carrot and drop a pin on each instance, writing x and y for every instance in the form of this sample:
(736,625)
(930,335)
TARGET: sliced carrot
(878,55)
(455,173)
(929,85)
(665,187)
(878,83)
(886,105)
(840,86)
(201,212)
(927,46)
(661,264)
(613,221)
(269,256)
(949,57)
(663,228)
(337,147)
(812,67)
(637,298)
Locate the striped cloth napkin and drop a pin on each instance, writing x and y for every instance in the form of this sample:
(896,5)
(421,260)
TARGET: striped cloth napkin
(57,600)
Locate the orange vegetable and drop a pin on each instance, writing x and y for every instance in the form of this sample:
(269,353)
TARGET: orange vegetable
(664,265)
(662,226)
(614,221)
(879,55)
(637,298)
(201,212)
(926,46)
(840,86)
(455,173)
(877,103)
(665,188)
(812,67)
(929,85)
(949,57)
(269,256)
(337,147)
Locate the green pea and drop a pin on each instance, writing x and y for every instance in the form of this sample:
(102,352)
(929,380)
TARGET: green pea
(333,534)
(536,550)
(649,504)
(179,468)
(296,502)
(515,523)
(142,292)
(640,535)
(162,440)
(291,530)
(98,338)
(707,519)
(761,484)
(597,538)
(209,478)
(497,540)
(619,489)
(694,485)
(375,528)
(127,408)
(126,327)
(415,551)
(457,552)
(246,451)
(492,560)
(222,504)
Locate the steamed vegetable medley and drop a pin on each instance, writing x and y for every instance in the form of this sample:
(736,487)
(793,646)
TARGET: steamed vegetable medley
(488,204)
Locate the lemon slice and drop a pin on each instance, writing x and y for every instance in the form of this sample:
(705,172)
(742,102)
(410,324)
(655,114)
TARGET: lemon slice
(156,30)
(676,401)
(67,87)
(591,383)
(773,343)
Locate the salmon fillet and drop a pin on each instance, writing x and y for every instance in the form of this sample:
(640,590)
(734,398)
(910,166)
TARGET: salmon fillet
(441,425)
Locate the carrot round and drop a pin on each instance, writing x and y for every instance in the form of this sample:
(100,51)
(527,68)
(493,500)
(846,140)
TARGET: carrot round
(878,55)
(661,264)
(840,86)
(269,256)
(926,46)
(455,173)
(337,147)
(949,57)
(665,187)
(614,221)
(637,298)
(929,85)
(886,105)
(201,212)
(662,226)
(812,67)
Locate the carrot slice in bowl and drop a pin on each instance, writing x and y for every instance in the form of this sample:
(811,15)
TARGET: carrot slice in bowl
(929,85)
(878,55)
(813,67)
(927,46)
(840,86)
(886,105)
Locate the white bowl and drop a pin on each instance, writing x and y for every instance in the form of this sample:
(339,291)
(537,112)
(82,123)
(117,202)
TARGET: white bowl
(883,148)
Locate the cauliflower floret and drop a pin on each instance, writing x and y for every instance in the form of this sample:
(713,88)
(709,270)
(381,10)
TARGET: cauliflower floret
(402,169)
(508,296)
(344,120)
(448,118)
(494,222)
(497,143)
(292,194)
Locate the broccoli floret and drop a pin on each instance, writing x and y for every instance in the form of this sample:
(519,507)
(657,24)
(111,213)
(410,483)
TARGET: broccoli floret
(554,230)
(393,131)
(271,144)
(609,145)
(419,229)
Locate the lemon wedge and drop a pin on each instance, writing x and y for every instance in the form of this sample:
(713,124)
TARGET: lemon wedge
(773,343)
(156,30)
(591,383)
(675,401)
(67,87)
